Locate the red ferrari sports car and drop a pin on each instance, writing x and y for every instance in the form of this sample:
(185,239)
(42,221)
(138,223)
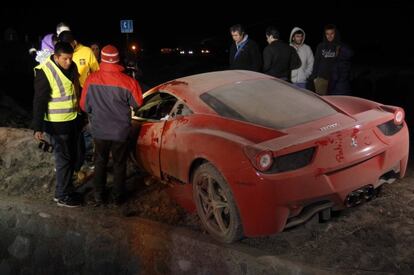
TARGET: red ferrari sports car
(255,155)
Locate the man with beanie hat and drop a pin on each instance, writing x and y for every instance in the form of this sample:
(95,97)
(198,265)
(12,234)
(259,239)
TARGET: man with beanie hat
(107,97)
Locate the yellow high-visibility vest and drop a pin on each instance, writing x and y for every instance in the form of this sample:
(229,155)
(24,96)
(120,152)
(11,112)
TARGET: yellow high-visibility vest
(63,102)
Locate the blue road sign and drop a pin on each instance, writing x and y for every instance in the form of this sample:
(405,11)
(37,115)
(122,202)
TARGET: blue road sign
(127,26)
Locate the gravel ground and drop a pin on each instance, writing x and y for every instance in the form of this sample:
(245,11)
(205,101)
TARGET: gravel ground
(376,237)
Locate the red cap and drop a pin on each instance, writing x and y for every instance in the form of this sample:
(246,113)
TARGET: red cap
(109,54)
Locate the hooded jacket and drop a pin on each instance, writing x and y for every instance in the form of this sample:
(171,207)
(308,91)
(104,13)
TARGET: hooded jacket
(301,74)
(325,56)
(340,81)
(47,48)
(107,97)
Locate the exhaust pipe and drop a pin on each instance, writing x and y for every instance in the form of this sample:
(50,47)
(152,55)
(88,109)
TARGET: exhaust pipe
(360,195)
(389,177)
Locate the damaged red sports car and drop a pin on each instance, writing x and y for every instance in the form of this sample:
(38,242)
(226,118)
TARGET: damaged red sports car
(255,155)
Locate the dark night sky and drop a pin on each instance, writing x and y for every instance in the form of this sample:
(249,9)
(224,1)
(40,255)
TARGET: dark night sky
(380,35)
(364,26)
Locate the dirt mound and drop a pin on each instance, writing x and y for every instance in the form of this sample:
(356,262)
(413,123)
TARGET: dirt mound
(25,170)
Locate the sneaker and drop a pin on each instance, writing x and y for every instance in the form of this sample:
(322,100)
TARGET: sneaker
(55,199)
(68,202)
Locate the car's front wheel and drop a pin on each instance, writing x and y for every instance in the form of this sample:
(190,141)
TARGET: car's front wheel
(215,204)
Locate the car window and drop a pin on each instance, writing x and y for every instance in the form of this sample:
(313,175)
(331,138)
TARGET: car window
(156,106)
(180,109)
(267,102)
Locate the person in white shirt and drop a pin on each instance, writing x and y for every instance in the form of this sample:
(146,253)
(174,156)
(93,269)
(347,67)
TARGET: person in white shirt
(297,41)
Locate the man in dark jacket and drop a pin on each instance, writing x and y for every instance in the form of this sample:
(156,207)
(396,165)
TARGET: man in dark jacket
(279,58)
(244,52)
(331,69)
(55,111)
(340,80)
(107,97)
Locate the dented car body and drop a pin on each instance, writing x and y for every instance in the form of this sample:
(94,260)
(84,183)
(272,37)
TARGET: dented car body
(254,155)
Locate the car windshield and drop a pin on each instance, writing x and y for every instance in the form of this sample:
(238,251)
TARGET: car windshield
(267,102)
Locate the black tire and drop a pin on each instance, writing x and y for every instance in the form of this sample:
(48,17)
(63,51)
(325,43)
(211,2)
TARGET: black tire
(215,204)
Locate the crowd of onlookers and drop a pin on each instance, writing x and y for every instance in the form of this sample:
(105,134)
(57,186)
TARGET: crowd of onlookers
(326,72)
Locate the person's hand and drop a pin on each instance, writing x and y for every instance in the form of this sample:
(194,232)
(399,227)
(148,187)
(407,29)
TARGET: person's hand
(38,135)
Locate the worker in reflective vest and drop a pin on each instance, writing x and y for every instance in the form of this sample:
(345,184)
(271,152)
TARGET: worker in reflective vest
(55,109)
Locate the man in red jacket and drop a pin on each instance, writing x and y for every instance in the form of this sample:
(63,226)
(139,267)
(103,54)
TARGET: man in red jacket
(107,97)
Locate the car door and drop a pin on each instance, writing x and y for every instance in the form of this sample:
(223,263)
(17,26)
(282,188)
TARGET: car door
(174,146)
(152,114)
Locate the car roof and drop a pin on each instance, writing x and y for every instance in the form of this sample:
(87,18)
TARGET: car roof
(190,88)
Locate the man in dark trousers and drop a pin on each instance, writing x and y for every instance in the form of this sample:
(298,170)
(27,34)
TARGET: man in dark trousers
(332,66)
(279,58)
(244,52)
(55,111)
(107,97)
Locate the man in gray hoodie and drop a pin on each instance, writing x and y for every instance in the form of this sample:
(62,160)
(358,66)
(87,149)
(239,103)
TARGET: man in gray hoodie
(297,41)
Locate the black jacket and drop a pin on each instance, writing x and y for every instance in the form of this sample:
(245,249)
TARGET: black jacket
(325,57)
(340,79)
(249,57)
(279,59)
(42,95)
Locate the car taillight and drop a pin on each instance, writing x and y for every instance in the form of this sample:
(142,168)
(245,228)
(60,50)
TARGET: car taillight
(394,125)
(264,160)
(398,112)
(398,117)
(261,159)
(292,161)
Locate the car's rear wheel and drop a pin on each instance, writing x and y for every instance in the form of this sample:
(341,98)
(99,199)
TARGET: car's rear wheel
(215,204)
